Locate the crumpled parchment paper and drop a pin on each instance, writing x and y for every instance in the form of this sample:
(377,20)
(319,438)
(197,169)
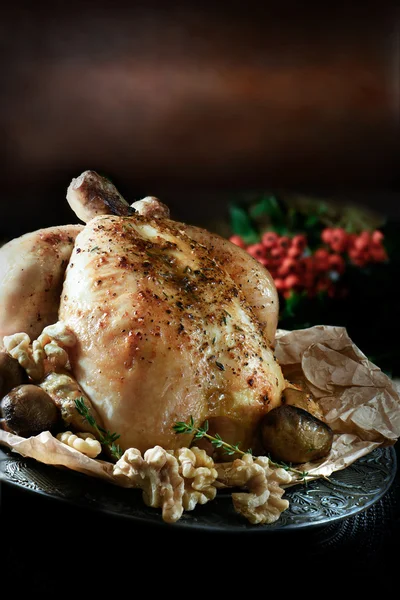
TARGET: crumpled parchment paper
(360,403)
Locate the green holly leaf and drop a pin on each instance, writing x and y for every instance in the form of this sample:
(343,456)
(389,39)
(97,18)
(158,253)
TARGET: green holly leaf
(242,224)
(271,207)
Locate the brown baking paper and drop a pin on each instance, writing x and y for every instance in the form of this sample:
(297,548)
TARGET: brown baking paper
(47,449)
(360,403)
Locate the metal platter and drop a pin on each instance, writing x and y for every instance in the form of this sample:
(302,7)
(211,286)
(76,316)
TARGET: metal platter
(320,502)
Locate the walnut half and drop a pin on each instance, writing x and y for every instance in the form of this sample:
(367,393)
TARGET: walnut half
(171,480)
(199,475)
(262,502)
(157,474)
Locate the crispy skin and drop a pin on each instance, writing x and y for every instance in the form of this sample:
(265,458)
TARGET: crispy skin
(165,332)
(249,275)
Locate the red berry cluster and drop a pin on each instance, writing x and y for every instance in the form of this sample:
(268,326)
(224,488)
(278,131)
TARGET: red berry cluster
(362,249)
(295,268)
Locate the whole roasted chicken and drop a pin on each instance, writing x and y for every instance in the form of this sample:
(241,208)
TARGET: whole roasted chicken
(169,320)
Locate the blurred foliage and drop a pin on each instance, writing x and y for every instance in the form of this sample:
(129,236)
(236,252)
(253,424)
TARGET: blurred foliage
(252,215)
(369,311)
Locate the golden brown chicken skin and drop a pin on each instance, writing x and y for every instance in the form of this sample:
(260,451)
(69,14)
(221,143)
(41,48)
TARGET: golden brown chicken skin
(164,332)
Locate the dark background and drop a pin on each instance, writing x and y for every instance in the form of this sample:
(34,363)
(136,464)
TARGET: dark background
(193,104)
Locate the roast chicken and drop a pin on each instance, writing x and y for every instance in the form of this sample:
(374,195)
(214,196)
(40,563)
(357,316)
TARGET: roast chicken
(171,321)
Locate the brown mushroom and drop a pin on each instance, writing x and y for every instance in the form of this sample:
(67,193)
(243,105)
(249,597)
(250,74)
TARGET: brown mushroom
(293,435)
(11,374)
(28,410)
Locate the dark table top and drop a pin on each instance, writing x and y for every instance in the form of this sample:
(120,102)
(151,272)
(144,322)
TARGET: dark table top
(47,546)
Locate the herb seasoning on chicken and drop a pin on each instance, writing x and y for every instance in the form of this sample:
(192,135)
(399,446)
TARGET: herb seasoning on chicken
(171,321)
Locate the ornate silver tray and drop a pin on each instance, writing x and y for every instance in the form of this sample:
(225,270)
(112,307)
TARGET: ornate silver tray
(320,502)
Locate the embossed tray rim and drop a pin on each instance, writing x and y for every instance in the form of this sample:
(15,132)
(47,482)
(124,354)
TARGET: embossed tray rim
(377,470)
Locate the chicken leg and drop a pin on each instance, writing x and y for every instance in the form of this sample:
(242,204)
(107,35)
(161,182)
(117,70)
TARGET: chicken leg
(32,270)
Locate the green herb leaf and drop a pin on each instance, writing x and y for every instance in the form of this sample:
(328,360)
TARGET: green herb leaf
(242,225)
(230,449)
(106,438)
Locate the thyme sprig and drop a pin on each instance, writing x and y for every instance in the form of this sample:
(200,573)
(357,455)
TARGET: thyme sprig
(201,432)
(230,449)
(106,438)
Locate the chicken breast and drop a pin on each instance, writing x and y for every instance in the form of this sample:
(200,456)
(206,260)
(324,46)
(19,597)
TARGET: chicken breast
(168,329)
(249,275)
